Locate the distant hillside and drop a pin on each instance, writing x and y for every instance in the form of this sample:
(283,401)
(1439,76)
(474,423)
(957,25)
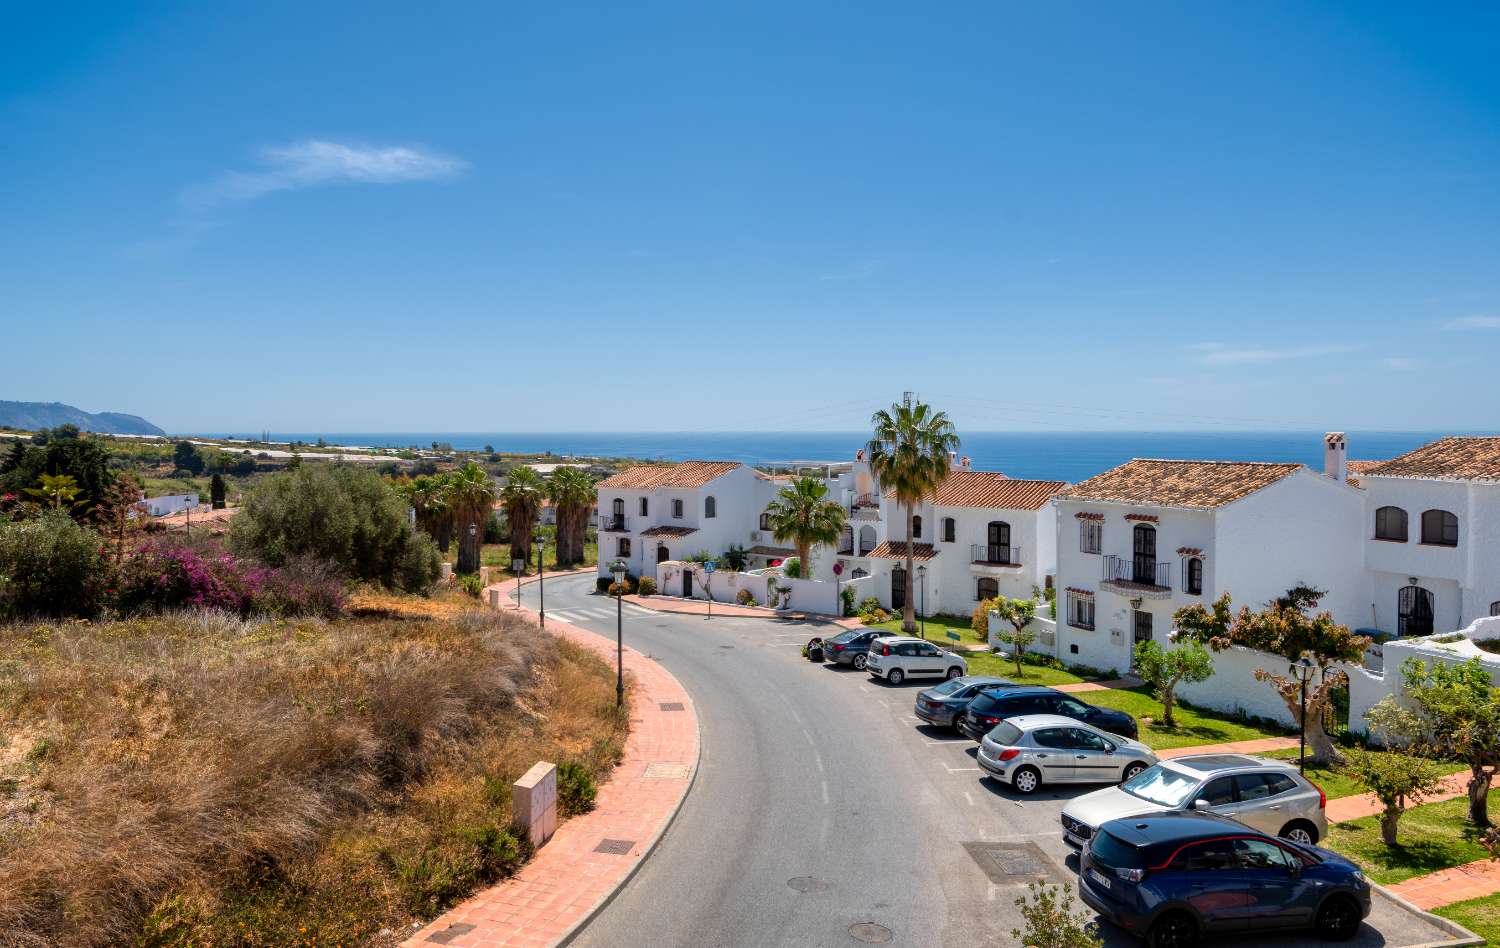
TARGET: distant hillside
(34,415)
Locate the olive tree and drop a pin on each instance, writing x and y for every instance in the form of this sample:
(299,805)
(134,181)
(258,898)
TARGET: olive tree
(1399,777)
(1164,670)
(1461,709)
(1018,614)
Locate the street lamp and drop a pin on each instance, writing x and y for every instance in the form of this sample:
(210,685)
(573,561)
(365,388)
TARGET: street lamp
(540,539)
(1302,669)
(518,566)
(618,570)
(473,532)
(922,613)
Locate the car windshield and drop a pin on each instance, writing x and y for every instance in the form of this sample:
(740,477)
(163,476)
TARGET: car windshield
(1005,734)
(845,637)
(950,686)
(1160,785)
(1117,853)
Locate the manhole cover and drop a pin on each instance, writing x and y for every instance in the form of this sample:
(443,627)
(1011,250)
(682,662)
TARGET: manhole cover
(615,847)
(807,884)
(451,932)
(1011,863)
(870,933)
(672,706)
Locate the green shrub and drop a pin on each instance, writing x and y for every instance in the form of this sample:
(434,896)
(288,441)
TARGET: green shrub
(745,598)
(575,789)
(471,584)
(846,598)
(792,568)
(615,589)
(647,586)
(51,566)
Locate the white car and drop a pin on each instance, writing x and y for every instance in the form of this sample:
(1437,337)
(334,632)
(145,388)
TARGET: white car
(895,657)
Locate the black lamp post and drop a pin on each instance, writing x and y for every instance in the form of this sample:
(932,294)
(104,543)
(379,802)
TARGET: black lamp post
(618,570)
(922,613)
(473,531)
(1302,668)
(540,539)
(518,566)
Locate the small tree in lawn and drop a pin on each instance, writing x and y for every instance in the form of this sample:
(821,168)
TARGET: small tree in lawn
(1051,921)
(1164,670)
(1462,712)
(1284,628)
(1017,613)
(1398,778)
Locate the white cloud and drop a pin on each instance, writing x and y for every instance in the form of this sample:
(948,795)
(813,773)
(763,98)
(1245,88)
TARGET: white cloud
(1475,322)
(1220,354)
(313,163)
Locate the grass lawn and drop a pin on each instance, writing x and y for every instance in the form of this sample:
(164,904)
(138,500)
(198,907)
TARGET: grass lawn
(986,663)
(497,557)
(1337,784)
(1480,916)
(1432,836)
(1193,726)
(936,627)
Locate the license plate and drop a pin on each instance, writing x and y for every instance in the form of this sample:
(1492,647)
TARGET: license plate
(1099,877)
(1078,841)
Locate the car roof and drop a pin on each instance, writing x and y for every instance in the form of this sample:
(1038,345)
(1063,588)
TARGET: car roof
(1023,689)
(1177,827)
(1028,722)
(1205,764)
(899,638)
(986,680)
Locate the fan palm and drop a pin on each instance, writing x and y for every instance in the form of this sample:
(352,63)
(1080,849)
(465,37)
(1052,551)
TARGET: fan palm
(909,456)
(571,491)
(522,499)
(472,499)
(428,496)
(803,515)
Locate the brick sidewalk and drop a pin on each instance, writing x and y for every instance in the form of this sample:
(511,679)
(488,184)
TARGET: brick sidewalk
(1472,880)
(591,856)
(1082,686)
(1365,804)
(1258,745)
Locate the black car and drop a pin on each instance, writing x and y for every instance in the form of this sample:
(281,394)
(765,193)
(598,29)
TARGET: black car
(1173,877)
(943,704)
(851,647)
(994,705)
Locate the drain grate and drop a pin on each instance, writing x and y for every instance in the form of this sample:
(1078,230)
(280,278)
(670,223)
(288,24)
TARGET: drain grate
(451,932)
(615,847)
(1012,863)
(807,884)
(870,933)
(673,706)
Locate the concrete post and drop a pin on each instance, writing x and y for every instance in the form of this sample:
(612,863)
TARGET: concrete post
(484,576)
(533,803)
(445,572)
(494,599)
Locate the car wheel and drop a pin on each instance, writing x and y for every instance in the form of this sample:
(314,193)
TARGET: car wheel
(954,672)
(1173,930)
(1027,780)
(1338,918)
(859,662)
(1131,771)
(896,676)
(1300,831)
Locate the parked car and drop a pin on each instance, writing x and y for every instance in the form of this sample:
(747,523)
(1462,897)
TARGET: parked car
(896,657)
(1172,877)
(1034,749)
(851,647)
(942,704)
(1268,795)
(994,705)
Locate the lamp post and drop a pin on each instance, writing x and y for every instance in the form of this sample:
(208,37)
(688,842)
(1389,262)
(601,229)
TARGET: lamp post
(617,569)
(518,566)
(1302,668)
(473,532)
(922,612)
(540,540)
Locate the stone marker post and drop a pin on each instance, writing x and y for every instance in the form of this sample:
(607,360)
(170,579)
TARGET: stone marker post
(533,803)
(494,599)
(484,576)
(445,572)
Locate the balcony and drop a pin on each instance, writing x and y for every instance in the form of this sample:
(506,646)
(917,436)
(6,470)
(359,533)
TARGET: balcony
(1138,576)
(990,554)
(614,523)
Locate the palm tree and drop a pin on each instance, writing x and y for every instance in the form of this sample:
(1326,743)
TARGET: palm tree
(472,500)
(58,491)
(802,514)
(522,498)
(572,493)
(429,497)
(909,455)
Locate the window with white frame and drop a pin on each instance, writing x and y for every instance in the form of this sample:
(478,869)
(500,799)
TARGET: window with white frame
(1080,610)
(1090,536)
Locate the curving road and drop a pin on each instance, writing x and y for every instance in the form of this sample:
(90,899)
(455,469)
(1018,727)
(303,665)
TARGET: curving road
(822,813)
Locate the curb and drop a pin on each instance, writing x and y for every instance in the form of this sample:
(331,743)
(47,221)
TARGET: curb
(1465,938)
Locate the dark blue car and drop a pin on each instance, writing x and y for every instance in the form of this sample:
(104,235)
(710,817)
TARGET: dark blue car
(994,705)
(1174,877)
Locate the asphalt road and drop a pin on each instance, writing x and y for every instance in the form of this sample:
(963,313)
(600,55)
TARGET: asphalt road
(824,814)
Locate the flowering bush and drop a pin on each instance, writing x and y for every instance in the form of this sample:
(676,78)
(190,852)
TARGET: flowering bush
(164,575)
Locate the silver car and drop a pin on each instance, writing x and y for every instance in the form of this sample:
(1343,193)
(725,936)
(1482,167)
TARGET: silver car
(1267,794)
(1033,749)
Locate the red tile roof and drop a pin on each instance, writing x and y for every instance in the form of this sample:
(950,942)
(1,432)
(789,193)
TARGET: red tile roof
(896,550)
(992,489)
(651,476)
(1196,484)
(668,531)
(1453,458)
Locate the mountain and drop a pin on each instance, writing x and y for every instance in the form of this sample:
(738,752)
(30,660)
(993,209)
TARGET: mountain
(30,416)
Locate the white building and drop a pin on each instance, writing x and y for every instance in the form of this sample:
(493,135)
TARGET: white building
(1431,537)
(169,504)
(1144,539)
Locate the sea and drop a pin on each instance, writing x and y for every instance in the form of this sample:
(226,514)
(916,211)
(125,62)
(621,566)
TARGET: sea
(1067,456)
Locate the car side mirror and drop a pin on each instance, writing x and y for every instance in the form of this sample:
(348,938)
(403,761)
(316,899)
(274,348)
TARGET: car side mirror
(1201,804)
(1109,748)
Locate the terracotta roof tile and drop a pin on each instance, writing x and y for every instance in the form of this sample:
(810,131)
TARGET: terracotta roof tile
(1197,484)
(668,531)
(771,551)
(651,476)
(896,550)
(1453,458)
(992,489)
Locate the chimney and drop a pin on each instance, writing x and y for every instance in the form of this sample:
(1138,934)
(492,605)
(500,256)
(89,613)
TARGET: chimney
(1336,456)
(952,460)
(966,463)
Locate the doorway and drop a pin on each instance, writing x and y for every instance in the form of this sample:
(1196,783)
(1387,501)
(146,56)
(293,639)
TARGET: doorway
(898,588)
(687,583)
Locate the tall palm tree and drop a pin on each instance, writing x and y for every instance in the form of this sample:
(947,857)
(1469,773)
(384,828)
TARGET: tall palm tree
(909,455)
(428,496)
(572,493)
(522,498)
(802,514)
(472,500)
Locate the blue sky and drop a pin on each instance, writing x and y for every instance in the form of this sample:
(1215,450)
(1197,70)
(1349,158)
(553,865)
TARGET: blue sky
(379,217)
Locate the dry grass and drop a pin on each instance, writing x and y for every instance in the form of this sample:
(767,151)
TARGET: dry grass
(201,780)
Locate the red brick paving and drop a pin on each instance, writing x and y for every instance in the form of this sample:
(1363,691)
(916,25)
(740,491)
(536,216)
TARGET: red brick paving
(1365,804)
(567,881)
(1470,881)
(1258,745)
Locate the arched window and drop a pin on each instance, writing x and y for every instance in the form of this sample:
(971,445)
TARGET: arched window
(622,546)
(898,588)
(986,588)
(950,529)
(997,542)
(710,508)
(1439,527)
(1495,608)
(1390,524)
(662,553)
(1414,608)
(1194,582)
(859,573)
(866,539)
(916,528)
